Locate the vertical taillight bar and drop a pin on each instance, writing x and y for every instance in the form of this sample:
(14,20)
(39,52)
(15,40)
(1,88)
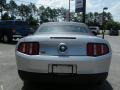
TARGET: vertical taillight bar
(90,49)
(35,49)
(98,49)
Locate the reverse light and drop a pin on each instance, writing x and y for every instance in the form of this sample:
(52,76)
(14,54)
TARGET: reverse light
(29,48)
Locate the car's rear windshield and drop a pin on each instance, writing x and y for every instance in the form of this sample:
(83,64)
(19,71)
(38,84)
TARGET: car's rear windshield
(63,29)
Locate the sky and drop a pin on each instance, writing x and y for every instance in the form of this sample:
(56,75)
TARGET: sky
(91,5)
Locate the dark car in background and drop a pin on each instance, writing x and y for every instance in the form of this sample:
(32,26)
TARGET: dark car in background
(12,30)
(114,32)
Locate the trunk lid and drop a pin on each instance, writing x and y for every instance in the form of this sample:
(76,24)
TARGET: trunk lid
(60,44)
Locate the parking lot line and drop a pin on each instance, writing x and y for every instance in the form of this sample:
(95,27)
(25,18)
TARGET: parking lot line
(1,87)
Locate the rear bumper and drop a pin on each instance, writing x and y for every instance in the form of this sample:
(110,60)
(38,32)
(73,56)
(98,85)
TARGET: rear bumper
(85,64)
(66,78)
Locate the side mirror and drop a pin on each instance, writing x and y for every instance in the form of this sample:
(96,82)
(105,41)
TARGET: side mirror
(94,33)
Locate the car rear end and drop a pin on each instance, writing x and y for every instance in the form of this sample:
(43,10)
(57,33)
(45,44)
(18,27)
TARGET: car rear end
(63,58)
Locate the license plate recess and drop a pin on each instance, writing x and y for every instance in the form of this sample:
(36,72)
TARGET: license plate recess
(62,68)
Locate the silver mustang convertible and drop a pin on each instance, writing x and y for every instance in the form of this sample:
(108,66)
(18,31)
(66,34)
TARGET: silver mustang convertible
(65,52)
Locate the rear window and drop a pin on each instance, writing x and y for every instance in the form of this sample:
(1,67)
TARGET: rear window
(13,23)
(9,22)
(63,29)
(6,23)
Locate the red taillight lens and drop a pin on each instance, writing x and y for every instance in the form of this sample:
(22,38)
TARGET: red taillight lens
(90,49)
(30,48)
(105,49)
(97,49)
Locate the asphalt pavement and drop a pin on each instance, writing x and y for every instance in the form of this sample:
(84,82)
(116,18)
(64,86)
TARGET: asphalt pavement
(9,79)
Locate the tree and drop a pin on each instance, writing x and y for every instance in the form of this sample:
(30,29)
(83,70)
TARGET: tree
(24,11)
(32,22)
(97,18)
(6,16)
(43,17)
(12,8)
(33,9)
(109,16)
(96,15)
(112,24)
(47,14)
(7,8)
(2,6)
(90,18)
(62,12)
(40,11)
(53,15)
(35,15)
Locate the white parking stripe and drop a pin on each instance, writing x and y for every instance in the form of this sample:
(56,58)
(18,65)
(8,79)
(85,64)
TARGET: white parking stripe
(0,52)
(1,87)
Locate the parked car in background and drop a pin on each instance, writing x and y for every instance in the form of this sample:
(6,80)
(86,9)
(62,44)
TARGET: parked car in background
(95,29)
(63,51)
(12,30)
(113,32)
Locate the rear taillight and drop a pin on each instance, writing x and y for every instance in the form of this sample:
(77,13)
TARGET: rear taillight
(30,48)
(97,49)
